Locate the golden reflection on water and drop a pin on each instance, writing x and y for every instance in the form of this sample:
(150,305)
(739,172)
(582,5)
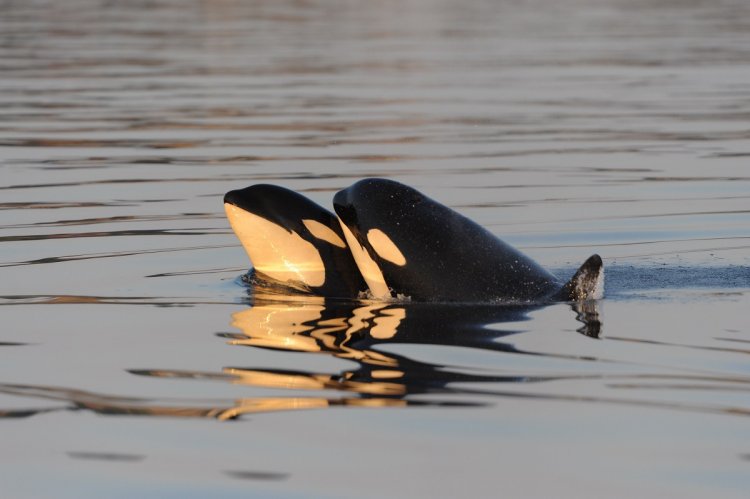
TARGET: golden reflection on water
(302,327)
(356,331)
(345,330)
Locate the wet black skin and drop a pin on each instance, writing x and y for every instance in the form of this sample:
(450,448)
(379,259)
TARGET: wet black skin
(287,209)
(448,257)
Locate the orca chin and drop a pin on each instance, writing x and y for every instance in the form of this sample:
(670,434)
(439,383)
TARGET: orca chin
(388,240)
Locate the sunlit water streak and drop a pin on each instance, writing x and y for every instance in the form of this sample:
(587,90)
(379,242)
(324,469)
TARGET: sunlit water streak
(566,128)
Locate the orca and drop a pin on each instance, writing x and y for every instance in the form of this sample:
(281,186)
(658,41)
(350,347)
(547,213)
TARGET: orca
(390,241)
(293,243)
(406,243)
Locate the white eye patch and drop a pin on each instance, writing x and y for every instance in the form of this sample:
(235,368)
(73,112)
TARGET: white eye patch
(323,232)
(275,251)
(385,248)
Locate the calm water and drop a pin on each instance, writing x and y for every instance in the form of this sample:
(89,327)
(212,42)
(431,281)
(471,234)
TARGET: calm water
(134,363)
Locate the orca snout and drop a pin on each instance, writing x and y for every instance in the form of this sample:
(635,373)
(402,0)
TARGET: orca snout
(344,208)
(232,197)
(262,199)
(340,200)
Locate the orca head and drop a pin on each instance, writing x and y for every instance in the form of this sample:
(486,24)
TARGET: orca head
(377,217)
(292,240)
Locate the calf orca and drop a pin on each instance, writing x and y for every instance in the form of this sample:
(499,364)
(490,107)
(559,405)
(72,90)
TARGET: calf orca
(389,240)
(292,241)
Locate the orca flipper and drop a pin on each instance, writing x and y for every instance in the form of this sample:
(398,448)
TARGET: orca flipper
(586,284)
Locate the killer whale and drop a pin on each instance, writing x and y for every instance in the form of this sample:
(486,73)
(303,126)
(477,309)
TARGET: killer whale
(405,241)
(292,242)
(389,240)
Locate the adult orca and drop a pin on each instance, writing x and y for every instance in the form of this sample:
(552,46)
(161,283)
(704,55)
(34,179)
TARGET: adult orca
(402,243)
(407,243)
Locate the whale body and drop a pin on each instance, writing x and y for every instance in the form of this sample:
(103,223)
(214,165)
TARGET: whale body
(388,240)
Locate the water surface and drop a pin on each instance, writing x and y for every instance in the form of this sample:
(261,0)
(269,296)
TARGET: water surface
(134,362)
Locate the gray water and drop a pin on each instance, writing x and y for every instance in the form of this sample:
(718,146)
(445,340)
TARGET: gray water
(133,362)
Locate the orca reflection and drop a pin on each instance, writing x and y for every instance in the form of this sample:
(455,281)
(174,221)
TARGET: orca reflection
(378,339)
(358,332)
